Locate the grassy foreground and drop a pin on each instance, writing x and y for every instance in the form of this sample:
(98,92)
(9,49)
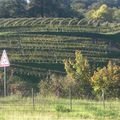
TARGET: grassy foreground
(51,108)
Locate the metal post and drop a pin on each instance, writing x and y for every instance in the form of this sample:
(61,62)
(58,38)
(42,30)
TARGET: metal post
(5,83)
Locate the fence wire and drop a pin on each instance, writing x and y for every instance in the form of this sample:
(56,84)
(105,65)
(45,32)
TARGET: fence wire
(33,106)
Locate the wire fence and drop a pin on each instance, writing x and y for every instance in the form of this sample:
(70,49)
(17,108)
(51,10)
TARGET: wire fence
(31,105)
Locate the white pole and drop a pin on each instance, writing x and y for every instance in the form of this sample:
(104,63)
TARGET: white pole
(5,85)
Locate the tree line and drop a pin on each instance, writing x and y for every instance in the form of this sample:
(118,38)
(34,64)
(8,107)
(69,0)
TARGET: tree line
(35,8)
(92,10)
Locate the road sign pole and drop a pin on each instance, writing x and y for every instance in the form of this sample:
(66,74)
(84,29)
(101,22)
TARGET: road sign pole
(4,62)
(5,85)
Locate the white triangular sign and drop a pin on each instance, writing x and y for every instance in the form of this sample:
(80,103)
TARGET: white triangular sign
(4,62)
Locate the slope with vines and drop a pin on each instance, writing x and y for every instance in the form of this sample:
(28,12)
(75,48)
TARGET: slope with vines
(38,45)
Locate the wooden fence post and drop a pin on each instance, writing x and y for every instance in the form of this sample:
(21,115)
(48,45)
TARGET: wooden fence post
(103,98)
(70,98)
(33,99)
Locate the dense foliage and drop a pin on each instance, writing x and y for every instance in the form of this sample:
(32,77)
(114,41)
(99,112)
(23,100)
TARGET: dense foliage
(107,79)
(35,8)
(12,8)
(95,10)
(49,8)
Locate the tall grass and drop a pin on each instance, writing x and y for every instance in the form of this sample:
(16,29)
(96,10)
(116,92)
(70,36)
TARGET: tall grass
(18,108)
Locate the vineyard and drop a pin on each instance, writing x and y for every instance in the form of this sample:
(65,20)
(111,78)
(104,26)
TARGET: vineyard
(37,46)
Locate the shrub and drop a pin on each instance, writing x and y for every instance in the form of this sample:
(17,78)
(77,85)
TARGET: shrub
(61,108)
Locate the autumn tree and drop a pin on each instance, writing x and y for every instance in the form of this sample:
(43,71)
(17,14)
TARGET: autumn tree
(107,79)
(79,71)
(100,12)
(97,14)
(101,15)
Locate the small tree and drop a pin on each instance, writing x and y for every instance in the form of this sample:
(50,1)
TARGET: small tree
(79,71)
(107,79)
(98,14)
(102,14)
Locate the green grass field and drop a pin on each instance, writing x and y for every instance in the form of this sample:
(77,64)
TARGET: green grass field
(52,108)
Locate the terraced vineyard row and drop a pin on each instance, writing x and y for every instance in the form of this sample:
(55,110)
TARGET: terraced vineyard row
(53,25)
(56,28)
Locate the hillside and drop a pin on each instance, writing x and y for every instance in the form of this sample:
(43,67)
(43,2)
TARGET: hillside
(38,46)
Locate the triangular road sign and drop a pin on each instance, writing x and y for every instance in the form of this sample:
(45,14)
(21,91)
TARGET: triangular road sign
(4,62)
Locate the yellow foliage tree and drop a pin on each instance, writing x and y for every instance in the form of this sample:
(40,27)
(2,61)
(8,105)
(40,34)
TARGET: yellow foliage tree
(100,12)
(79,71)
(107,78)
(79,68)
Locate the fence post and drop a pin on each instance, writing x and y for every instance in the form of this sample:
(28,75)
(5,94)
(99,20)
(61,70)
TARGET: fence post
(103,98)
(33,99)
(70,98)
